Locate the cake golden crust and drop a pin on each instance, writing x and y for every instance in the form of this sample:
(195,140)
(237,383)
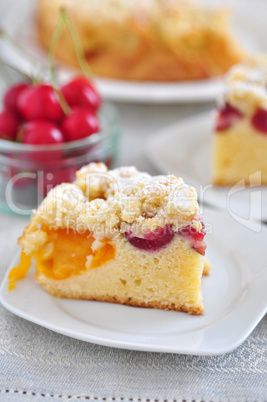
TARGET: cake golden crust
(144,40)
(130,302)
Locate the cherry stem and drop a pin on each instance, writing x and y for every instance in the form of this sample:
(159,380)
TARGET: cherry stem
(77,44)
(5,36)
(34,79)
(25,76)
(54,82)
(66,20)
(56,35)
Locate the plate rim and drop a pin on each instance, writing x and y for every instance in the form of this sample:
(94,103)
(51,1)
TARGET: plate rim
(137,345)
(150,92)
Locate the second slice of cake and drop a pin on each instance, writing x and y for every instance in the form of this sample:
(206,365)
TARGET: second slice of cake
(240,139)
(119,236)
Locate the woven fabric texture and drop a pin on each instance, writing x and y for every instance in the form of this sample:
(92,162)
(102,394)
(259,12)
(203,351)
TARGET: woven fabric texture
(45,365)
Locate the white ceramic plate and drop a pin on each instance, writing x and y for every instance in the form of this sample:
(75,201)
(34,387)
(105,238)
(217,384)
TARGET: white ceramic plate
(234,298)
(249,28)
(184,149)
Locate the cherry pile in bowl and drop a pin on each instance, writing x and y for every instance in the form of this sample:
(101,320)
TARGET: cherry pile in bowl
(33,114)
(46,135)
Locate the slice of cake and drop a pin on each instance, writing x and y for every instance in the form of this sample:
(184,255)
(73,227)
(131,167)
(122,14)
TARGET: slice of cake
(240,139)
(144,40)
(119,236)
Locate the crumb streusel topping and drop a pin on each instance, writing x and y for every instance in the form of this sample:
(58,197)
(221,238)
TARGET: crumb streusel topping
(246,85)
(109,202)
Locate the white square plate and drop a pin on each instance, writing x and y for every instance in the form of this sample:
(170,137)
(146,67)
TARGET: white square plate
(185,149)
(234,298)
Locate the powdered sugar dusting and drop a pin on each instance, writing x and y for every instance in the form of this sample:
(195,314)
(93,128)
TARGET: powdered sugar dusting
(62,204)
(118,198)
(246,86)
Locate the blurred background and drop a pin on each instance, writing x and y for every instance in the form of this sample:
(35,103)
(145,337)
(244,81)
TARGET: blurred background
(144,109)
(139,119)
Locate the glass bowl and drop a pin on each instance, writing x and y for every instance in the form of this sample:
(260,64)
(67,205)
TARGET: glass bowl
(28,172)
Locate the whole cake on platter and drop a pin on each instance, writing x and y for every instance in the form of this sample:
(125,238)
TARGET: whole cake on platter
(240,138)
(144,40)
(119,236)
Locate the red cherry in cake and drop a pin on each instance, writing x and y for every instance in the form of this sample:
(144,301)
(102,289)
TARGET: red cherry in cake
(192,232)
(9,124)
(10,100)
(200,247)
(152,241)
(196,238)
(226,117)
(80,123)
(259,120)
(81,92)
(39,102)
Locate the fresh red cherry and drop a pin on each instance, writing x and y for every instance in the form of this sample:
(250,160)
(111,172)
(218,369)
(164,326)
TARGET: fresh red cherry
(10,99)
(80,91)
(89,97)
(226,117)
(259,120)
(9,124)
(43,132)
(71,89)
(152,241)
(40,102)
(196,238)
(80,124)
(40,132)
